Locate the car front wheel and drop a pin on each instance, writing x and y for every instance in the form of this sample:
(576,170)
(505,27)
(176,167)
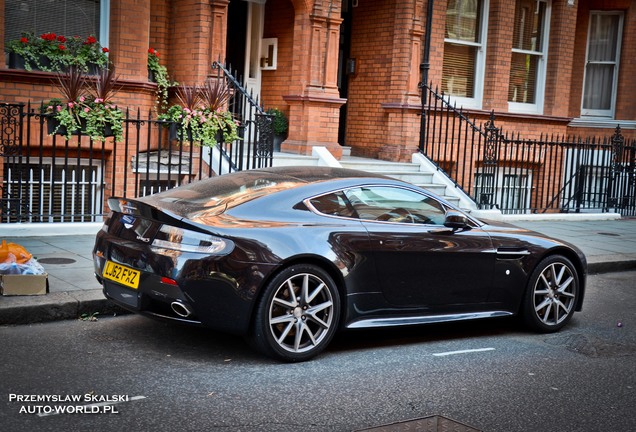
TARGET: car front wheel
(297,315)
(551,295)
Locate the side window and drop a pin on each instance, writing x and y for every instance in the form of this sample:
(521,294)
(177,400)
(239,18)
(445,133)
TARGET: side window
(334,204)
(392,204)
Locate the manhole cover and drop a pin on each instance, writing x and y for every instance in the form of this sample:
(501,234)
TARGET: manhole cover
(55,260)
(426,424)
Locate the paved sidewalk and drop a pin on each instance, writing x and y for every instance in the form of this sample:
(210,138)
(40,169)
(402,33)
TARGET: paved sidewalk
(609,245)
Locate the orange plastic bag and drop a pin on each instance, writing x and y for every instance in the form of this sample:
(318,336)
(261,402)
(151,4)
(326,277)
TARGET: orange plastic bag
(11,251)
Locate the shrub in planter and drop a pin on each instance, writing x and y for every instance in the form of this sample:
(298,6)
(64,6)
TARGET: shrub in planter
(56,53)
(85,109)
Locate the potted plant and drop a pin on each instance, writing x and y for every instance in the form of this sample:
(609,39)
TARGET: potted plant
(279,126)
(158,74)
(84,109)
(45,52)
(202,114)
(55,53)
(86,54)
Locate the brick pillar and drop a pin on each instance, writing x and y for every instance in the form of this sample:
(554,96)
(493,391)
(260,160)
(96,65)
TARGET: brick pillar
(560,59)
(314,102)
(402,107)
(129,36)
(192,37)
(499,49)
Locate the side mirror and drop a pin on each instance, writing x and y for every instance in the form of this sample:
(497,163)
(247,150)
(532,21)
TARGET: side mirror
(456,220)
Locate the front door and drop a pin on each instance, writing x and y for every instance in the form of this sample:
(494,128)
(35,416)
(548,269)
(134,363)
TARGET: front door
(254,37)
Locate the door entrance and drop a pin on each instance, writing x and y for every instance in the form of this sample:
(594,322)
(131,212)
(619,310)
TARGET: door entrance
(346,66)
(244,39)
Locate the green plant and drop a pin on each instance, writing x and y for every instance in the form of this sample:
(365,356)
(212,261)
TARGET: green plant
(86,109)
(280,123)
(51,52)
(89,317)
(202,113)
(160,76)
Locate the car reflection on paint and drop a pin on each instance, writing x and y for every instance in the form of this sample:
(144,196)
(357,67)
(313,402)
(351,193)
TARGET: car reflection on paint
(286,257)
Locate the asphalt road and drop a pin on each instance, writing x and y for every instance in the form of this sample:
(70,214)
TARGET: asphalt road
(132,373)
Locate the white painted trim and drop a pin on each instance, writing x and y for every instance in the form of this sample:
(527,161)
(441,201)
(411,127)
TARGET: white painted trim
(426,166)
(325,158)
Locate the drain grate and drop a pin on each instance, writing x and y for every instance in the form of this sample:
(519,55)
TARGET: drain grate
(610,234)
(592,346)
(56,260)
(426,424)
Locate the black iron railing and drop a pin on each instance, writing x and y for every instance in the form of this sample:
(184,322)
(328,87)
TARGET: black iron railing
(516,175)
(46,178)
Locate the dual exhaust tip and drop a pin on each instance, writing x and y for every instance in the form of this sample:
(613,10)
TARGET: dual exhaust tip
(181,309)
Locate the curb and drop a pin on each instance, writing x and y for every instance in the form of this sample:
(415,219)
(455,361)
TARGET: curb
(17,310)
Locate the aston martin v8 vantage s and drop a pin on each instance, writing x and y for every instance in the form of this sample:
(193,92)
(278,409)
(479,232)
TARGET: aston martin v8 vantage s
(288,256)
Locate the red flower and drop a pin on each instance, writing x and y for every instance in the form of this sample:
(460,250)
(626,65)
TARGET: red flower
(48,36)
(105,50)
(24,40)
(90,40)
(61,38)
(61,47)
(151,50)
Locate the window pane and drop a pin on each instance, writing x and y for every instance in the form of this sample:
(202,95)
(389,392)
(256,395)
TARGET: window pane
(523,78)
(65,17)
(462,48)
(599,83)
(462,20)
(603,38)
(601,68)
(459,70)
(529,22)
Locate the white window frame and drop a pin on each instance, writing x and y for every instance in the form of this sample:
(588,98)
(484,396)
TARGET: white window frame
(542,54)
(480,62)
(610,113)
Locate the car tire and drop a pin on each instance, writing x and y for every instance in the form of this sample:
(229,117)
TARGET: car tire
(297,315)
(551,295)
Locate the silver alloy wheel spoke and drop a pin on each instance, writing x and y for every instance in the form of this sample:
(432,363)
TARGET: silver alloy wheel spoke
(554,293)
(300,313)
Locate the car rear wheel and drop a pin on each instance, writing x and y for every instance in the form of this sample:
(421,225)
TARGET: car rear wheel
(551,295)
(297,315)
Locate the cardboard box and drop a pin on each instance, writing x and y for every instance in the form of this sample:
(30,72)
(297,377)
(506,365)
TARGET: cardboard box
(24,284)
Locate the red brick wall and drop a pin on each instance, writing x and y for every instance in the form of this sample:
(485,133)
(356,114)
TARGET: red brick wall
(372,40)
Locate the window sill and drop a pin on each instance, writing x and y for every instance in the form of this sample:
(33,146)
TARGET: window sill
(602,123)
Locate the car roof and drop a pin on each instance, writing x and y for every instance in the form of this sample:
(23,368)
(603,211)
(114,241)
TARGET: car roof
(222,193)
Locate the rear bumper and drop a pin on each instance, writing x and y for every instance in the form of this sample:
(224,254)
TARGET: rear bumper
(215,292)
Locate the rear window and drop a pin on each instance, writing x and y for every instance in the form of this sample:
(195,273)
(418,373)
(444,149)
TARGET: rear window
(217,194)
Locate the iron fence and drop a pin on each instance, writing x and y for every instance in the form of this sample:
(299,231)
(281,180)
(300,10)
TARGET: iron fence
(516,175)
(46,178)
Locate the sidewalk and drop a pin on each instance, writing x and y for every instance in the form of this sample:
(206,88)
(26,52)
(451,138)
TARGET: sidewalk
(609,245)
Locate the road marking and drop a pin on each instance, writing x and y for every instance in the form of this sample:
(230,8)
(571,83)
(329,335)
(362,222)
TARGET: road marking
(462,352)
(98,404)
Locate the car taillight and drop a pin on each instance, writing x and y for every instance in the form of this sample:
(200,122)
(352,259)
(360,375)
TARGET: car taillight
(179,239)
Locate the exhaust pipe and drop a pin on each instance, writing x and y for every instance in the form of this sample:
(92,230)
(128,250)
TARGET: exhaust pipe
(181,309)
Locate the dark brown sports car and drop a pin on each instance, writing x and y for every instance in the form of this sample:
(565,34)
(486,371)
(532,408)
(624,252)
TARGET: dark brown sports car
(288,256)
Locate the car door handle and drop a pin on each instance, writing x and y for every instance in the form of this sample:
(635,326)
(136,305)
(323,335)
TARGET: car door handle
(392,242)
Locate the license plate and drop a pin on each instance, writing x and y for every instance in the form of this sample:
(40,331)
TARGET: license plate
(121,274)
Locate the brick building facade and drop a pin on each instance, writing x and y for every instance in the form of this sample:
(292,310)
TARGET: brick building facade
(347,71)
